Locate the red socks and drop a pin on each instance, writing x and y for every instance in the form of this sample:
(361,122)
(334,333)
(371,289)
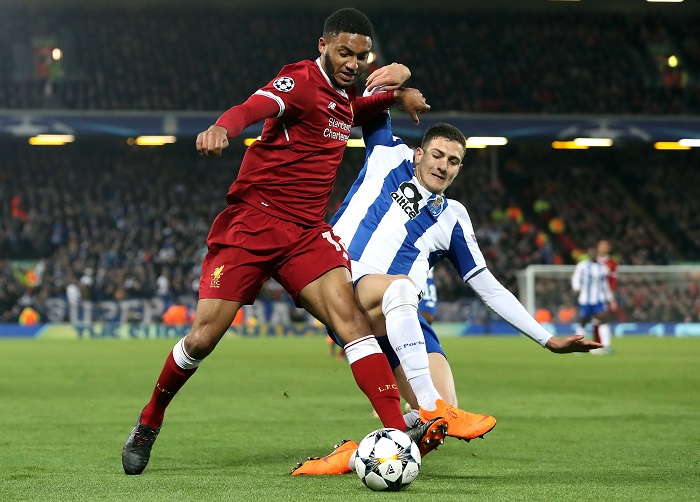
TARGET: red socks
(171,379)
(373,375)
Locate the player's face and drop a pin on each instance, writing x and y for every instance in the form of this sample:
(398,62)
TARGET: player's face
(603,248)
(439,164)
(344,57)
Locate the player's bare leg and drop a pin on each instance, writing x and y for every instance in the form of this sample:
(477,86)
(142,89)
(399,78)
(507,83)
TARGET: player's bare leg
(331,300)
(391,305)
(212,319)
(601,333)
(441,374)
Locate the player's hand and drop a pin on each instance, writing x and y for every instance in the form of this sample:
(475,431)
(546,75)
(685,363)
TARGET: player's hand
(412,101)
(574,343)
(212,141)
(612,305)
(389,77)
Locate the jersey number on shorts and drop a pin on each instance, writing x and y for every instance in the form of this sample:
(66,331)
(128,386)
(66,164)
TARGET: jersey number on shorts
(329,238)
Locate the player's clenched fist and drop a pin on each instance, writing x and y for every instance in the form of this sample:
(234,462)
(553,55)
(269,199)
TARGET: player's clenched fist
(212,141)
(412,101)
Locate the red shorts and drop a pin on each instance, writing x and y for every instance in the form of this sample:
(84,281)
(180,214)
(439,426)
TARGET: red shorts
(247,246)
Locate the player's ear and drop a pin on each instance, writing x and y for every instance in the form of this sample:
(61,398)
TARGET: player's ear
(322,45)
(417,155)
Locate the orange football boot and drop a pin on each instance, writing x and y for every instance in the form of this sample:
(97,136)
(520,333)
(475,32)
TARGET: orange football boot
(336,462)
(460,424)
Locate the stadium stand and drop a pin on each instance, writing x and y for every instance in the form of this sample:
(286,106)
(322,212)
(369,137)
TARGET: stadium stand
(158,60)
(124,221)
(119,216)
(586,193)
(661,182)
(116,218)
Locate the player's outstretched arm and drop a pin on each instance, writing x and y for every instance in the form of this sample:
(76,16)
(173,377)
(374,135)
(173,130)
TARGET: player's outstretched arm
(574,343)
(412,101)
(212,141)
(389,77)
(502,301)
(258,107)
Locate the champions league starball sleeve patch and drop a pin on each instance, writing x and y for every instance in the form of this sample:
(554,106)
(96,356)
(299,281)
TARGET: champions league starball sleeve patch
(283,84)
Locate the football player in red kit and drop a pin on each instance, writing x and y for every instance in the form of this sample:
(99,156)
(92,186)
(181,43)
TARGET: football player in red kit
(274,223)
(603,334)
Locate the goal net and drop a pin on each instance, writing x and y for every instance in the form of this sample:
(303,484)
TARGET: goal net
(666,294)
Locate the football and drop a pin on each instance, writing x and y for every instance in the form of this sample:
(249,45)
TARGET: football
(387,459)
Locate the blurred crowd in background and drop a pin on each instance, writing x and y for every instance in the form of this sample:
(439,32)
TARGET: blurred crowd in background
(131,222)
(121,222)
(204,59)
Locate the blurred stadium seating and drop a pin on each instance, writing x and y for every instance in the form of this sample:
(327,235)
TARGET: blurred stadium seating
(204,59)
(115,218)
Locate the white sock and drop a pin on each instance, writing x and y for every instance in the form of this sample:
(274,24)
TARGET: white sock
(426,393)
(411,417)
(362,347)
(182,358)
(605,334)
(351,463)
(400,308)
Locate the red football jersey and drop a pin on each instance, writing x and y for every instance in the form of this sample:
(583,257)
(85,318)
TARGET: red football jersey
(290,171)
(612,270)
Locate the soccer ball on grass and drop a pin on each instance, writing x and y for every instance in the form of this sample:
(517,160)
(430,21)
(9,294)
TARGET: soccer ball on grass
(387,459)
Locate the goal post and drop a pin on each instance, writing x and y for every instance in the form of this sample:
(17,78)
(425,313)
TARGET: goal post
(644,293)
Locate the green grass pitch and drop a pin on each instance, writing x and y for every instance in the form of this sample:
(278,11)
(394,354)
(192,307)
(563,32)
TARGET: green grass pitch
(620,427)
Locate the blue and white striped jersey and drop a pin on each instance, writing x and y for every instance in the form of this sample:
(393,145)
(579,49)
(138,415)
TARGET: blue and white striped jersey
(391,224)
(590,279)
(428,304)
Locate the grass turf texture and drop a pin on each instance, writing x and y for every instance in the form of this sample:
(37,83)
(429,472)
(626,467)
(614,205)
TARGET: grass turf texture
(620,427)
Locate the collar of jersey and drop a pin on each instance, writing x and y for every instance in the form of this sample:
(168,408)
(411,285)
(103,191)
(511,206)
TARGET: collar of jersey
(427,194)
(328,80)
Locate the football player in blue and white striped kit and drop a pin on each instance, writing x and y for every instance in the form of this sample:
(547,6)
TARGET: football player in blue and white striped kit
(590,281)
(427,307)
(396,224)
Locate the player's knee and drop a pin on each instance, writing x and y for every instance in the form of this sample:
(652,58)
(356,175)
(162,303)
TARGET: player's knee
(401,292)
(199,343)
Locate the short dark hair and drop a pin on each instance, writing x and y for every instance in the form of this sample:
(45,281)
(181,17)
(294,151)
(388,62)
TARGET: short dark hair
(442,130)
(348,20)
